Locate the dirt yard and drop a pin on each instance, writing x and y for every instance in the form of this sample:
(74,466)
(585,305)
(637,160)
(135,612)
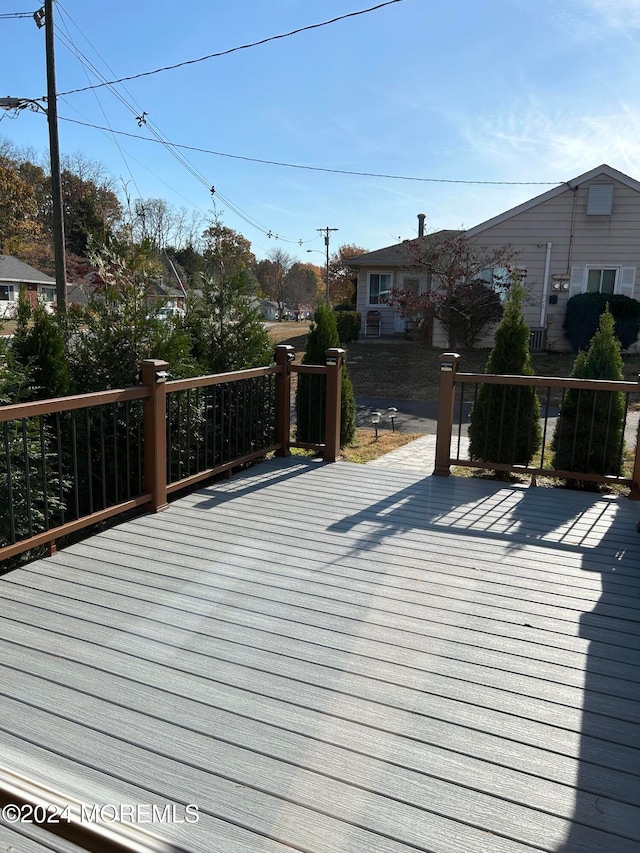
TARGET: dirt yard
(408,370)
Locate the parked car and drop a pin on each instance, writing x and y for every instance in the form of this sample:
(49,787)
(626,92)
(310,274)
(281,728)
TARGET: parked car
(167,312)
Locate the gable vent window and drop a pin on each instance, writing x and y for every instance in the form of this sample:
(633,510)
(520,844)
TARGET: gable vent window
(600,200)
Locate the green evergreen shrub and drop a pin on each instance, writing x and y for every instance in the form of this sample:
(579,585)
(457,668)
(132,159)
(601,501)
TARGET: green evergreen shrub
(583,316)
(349,323)
(28,460)
(588,435)
(39,346)
(311,395)
(505,420)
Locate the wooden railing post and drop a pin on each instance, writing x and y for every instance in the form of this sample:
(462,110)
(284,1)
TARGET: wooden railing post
(154,376)
(448,368)
(334,358)
(284,356)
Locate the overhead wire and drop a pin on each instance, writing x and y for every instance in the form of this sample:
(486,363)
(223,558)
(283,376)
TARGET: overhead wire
(159,137)
(327,168)
(235,49)
(84,61)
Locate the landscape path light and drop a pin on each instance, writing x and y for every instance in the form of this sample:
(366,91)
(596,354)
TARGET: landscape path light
(392,411)
(375,420)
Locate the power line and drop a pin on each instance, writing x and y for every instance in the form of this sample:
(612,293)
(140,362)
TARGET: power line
(235,49)
(142,119)
(321,168)
(7,15)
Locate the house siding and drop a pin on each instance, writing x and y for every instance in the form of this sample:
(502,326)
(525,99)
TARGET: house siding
(612,240)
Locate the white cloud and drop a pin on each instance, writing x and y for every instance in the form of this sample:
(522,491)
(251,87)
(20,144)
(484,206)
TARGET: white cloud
(535,145)
(620,14)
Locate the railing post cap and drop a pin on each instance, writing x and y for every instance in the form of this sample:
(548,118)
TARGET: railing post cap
(333,356)
(449,361)
(156,362)
(284,353)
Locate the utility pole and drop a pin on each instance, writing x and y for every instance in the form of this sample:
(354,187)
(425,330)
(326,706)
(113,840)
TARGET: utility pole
(326,231)
(54,153)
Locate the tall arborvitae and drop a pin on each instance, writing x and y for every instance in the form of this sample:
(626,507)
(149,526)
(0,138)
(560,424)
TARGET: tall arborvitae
(311,396)
(588,435)
(505,420)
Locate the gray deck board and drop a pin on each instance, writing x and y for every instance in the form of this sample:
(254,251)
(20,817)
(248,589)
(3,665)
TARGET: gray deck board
(341,658)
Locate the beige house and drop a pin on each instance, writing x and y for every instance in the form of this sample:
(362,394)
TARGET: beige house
(581,236)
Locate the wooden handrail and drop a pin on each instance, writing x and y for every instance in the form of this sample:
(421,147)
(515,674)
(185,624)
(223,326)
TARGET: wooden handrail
(549,381)
(17,411)
(221,378)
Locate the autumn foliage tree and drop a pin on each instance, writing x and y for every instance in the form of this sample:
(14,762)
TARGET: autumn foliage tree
(18,211)
(342,277)
(461,291)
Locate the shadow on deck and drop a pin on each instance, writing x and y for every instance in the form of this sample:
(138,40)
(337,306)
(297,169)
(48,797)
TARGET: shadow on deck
(340,658)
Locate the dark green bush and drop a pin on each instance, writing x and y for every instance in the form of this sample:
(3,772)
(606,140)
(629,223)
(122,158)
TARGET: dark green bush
(505,420)
(348,323)
(588,434)
(311,395)
(583,315)
(39,346)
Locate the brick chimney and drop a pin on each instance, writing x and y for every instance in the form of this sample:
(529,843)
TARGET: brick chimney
(421,218)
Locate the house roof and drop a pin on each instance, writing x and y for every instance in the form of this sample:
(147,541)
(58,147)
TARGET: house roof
(404,252)
(398,253)
(13,270)
(573,183)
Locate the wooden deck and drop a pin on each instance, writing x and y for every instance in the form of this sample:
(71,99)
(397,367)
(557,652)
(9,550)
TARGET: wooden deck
(340,659)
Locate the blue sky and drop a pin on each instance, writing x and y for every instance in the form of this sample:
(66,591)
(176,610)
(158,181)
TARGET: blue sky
(476,90)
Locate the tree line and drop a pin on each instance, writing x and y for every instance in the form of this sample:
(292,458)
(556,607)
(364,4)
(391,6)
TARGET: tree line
(96,215)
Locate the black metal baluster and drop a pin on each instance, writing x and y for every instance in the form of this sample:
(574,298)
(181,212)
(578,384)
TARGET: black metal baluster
(74,462)
(43,468)
(60,469)
(127,445)
(27,475)
(87,420)
(7,456)
(116,473)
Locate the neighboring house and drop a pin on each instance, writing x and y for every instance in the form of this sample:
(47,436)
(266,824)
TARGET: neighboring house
(270,310)
(14,273)
(165,294)
(581,236)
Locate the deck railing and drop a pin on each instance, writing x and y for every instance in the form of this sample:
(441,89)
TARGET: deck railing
(459,392)
(71,462)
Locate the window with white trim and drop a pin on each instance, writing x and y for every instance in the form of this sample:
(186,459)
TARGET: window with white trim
(6,292)
(379,288)
(602,278)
